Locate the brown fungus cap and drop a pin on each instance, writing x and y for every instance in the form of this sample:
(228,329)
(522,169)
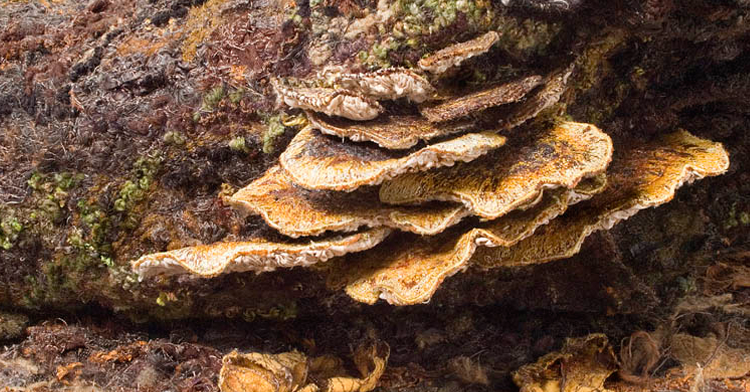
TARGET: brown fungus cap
(386,83)
(407,270)
(501,181)
(333,102)
(538,100)
(259,255)
(316,161)
(451,56)
(394,132)
(295,211)
(638,178)
(461,106)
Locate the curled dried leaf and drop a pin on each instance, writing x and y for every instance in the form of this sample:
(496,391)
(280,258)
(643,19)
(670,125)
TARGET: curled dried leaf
(394,132)
(293,372)
(285,372)
(454,55)
(316,161)
(582,365)
(334,102)
(295,211)
(638,178)
(386,83)
(500,94)
(408,270)
(259,255)
(504,180)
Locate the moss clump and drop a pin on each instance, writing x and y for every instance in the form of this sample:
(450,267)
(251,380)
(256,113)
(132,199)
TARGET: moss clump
(238,144)
(274,130)
(134,191)
(10,229)
(174,138)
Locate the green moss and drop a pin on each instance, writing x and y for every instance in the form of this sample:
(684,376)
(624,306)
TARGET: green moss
(745,218)
(238,144)
(274,130)
(174,138)
(10,229)
(135,190)
(236,96)
(212,98)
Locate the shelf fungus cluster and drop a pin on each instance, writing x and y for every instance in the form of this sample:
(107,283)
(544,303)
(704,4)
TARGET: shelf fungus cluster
(392,202)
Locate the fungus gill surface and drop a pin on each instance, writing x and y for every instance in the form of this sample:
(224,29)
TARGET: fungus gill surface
(642,177)
(333,102)
(499,94)
(317,161)
(259,255)
(454,55)
(295,211)
(503,180)
(386,83)
(407,270)
(394,132)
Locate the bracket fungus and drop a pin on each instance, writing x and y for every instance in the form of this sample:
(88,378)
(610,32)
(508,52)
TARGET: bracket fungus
(640,178)
(259,255)
(459,198)
(295,211)
(406,270)
(317,161)
(295,372)
(500,94)
(454,55)
(386,83)
(334,102)
(506,179)
(538,100)
(393,132)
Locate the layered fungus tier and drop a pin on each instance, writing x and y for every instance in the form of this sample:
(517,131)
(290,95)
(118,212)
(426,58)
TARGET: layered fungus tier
(380,195)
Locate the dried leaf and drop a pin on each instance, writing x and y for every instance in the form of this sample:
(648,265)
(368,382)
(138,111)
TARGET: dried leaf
(256,372)
(503,180)
(295,211)
(316,161)
(582,365)
(288,372)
